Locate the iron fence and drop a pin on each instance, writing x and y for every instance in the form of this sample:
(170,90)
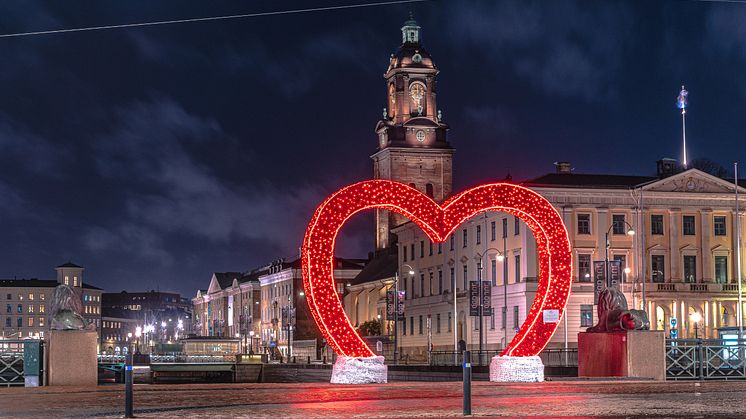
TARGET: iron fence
(705,359)
(559,357)
(20,362)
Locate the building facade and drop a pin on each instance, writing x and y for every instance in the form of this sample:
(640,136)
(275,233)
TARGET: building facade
(287,327)
(28,302)
(681,260)
(230,308)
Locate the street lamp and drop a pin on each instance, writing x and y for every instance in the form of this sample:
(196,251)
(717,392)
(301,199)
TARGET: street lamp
(251,343)
(500,257)
(410,271)
(630,232)
(695,317)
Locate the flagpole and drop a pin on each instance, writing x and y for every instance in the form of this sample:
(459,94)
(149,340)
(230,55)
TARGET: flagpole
(738,255)
(681,103)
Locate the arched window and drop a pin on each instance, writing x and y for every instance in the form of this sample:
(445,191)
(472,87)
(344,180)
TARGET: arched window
(429,190)
(413,185)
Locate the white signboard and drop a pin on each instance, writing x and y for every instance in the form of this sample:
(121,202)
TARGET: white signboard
(551,316)
(230,310)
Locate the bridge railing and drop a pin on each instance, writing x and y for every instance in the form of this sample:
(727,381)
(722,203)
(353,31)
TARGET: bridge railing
(171,359)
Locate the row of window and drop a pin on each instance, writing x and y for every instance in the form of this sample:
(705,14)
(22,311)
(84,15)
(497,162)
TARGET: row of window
(656,224)
(92,309)
(410,254)
(32,334)
(436,288)
(658,268)
(92,298)
(112,325)
(19,308)
(29,320)
(475,322)
(31,296)
(75,282)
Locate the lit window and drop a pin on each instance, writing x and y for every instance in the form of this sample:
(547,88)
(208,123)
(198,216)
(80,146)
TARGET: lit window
(584,224)
(41,322)
(30,308)
(31,296)
(75,281)
(42,296)
(30,322)
(586,315)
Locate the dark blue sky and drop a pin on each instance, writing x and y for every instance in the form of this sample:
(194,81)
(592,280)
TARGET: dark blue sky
(155,156)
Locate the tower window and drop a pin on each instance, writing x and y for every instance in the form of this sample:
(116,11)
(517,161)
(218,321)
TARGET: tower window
(429,190)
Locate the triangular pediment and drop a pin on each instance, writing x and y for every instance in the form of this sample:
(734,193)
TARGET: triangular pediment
(214,285)
(692,181)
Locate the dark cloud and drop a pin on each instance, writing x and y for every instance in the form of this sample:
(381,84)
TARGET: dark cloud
(570,48)
(154,156)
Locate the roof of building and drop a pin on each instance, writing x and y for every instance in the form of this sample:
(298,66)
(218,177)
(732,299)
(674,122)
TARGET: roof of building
(577,180)
(69,265)
(382,266)
(37,283)
(225,279)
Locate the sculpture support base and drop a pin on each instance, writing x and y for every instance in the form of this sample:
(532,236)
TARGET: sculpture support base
(634,353)
(516,369)
(72,358)
(350,370)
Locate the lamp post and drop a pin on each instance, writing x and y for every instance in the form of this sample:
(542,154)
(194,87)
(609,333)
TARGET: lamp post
(500,257)
(396,309)
(629,232)
(251,342)
(695,317)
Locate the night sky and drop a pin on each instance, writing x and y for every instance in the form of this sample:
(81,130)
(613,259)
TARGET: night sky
(155,156)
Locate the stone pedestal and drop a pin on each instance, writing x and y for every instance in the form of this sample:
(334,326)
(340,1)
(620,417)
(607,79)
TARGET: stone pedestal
(516,369)
(634,353)
(72,358)
(349,370)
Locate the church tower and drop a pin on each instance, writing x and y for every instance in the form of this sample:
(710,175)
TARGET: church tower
(412,143)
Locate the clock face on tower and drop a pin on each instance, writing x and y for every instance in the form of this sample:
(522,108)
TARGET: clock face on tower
(417,91)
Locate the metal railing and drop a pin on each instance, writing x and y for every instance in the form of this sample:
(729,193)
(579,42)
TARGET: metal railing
(172,359)
(21,362)
(705,359)
(551,357)
(11,363)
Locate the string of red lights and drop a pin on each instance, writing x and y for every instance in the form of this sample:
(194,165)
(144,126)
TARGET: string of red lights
(438,222)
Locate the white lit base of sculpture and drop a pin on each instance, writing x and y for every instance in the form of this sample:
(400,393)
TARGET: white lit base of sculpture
(350,370)
(516,369)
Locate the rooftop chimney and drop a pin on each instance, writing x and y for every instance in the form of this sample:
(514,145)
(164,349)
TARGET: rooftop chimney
(563,167)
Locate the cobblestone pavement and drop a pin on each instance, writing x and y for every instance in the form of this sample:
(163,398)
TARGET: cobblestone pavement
(576,398)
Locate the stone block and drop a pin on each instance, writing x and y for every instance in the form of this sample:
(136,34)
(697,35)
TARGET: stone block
(72,358)
(633,353)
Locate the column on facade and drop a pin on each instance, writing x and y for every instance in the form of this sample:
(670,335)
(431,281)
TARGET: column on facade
(706,231)
(673,244)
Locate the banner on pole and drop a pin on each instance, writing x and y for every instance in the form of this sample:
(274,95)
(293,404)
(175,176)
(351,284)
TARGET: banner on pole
(473,298)
(599,278)
(615,273)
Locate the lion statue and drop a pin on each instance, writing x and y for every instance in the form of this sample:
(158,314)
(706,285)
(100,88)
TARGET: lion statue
(614,316)
(66,308)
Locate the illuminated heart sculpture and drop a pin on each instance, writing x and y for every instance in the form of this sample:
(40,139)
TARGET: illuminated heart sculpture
(438,222)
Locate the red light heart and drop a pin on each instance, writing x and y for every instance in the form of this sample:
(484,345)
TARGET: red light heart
(438,222)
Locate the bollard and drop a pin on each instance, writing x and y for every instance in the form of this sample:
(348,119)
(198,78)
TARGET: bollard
(128,387)
(467,383)
(309,359)
(324,359)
